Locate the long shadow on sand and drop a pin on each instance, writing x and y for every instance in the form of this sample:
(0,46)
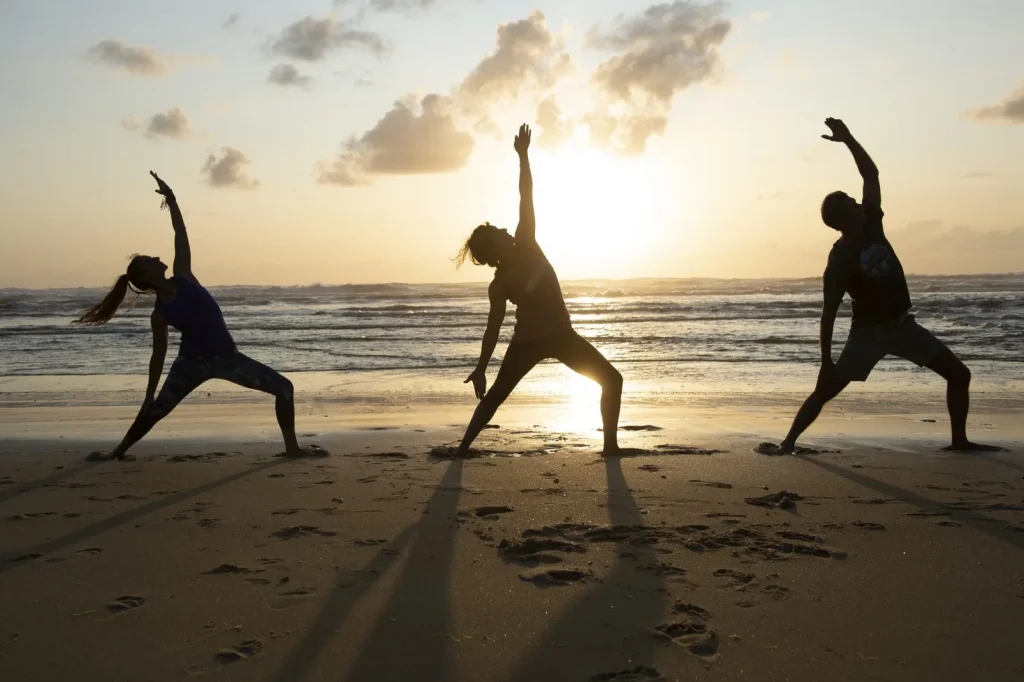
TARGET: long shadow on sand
(418,608)
(989,526)
(10,560)
(609,627)
(68,472)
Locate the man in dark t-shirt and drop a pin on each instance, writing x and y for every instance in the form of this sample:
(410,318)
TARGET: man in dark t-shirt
(864,265)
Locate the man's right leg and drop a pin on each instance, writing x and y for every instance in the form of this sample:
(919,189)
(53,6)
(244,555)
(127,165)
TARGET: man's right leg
(827,389)
(519,359)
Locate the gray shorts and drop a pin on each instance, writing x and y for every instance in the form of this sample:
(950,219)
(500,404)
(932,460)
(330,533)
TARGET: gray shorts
(902,337)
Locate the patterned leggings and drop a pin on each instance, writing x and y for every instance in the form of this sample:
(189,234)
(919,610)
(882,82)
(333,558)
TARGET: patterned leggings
(188,372)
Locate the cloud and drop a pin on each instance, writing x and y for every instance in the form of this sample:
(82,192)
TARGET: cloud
(427,136)
(659,52)
(311,38)
(978,175)
(231,21)
(288,75)
(554,128)
(527,56)
(230,170)
(1010,110)
(414,137)
(173,124)
(140,60)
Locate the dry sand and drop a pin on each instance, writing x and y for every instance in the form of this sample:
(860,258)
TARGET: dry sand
(209,557)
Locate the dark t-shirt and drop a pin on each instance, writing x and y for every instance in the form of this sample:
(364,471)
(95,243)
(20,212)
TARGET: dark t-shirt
(868,270)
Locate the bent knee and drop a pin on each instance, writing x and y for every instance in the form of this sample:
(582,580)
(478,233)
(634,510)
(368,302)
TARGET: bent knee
(960,375)
(285,388)
(613,380)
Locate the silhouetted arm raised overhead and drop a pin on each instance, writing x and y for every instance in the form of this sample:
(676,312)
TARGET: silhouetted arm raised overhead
(182,250)
(868,169)
(526,232)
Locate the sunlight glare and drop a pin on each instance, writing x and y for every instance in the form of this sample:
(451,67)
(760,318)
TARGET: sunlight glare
(597,213)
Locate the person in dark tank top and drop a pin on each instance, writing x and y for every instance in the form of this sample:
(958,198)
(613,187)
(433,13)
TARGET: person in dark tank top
(543,329)
(207,350)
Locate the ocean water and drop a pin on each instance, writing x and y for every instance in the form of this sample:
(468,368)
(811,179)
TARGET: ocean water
(666,336)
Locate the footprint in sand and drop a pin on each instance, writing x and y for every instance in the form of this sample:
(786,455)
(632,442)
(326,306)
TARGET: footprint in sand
(712,484)
(369,542)
(244,650)
(640,673)
(228,569)
(24,557)
(290,532)
(554,577)
(91,551)
(735,579)
(779,500)
(126,603)
(532,551)
(291,598)
(692,634)
(868,525)
(489,511)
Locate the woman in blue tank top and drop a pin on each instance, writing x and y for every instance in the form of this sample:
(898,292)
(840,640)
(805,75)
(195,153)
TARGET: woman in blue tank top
(523,276)
(207,350)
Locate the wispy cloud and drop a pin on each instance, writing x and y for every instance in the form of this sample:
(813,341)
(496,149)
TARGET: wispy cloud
(229,169)
(311,39)
(1010,110)
(140,60)
(231,21)
(172,124)
(658,53)
(412,138)
(287,75)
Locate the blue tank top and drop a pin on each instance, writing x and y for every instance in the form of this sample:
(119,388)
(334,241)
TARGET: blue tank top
(195,313)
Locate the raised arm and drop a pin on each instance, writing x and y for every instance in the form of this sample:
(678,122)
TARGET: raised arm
(868,169)
(526,232)
(494,319)
(182,250)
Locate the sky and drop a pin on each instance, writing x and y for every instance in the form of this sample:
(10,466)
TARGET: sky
(313,141)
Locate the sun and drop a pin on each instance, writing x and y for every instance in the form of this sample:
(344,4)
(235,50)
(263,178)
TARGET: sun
(597,213)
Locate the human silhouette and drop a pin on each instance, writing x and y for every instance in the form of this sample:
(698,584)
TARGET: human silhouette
(864,265)
(207,350)
(523,275)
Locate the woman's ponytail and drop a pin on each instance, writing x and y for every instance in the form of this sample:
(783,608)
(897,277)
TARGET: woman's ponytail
(105,309)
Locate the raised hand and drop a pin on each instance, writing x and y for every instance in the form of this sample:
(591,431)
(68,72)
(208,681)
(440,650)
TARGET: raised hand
(840,133)
(522,142)
(479,379)
(162,187)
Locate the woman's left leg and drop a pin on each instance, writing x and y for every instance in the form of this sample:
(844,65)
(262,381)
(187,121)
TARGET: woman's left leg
(242,370)
(579,355)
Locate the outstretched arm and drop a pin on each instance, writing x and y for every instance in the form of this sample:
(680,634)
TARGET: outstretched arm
(526,232)
(182,249)
(143,421)
(494,319)
(868,169)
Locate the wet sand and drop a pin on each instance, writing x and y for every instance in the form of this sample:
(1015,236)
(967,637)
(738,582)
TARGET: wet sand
(877,557)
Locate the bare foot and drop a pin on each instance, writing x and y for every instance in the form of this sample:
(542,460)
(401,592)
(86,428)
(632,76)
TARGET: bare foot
(968,446)
(102,456)
(773,449)
(308,451)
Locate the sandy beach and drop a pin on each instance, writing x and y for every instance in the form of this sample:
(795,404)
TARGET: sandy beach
(877,557)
